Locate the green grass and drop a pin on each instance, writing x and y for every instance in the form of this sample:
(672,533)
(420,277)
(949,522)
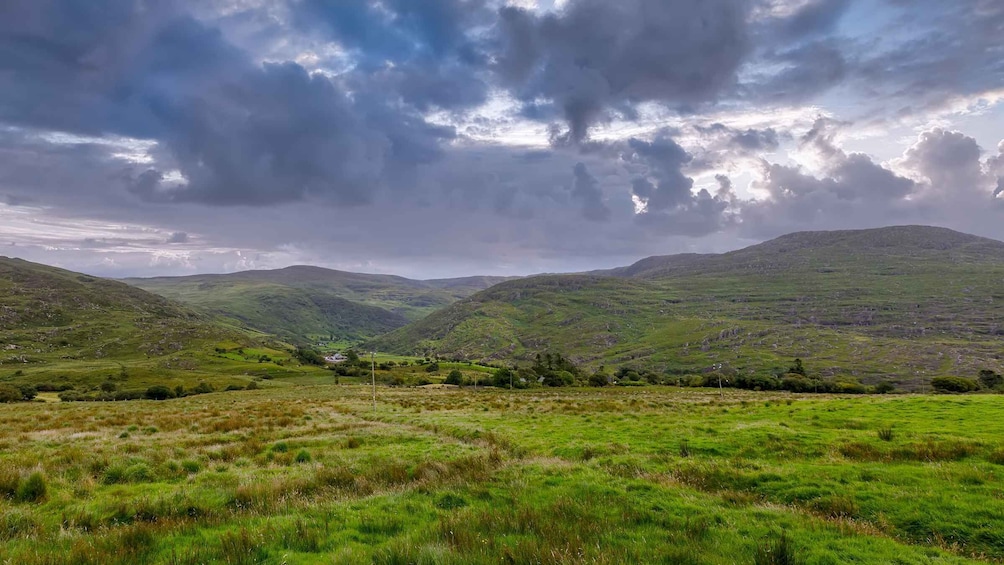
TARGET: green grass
(904,304)
(313,474)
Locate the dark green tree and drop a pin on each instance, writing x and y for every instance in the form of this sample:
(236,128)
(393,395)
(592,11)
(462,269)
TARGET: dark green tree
(455,378)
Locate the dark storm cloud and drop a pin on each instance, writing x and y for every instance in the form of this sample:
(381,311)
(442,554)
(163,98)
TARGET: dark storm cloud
(240,132)
(663,185)
(586,190)
(594,55)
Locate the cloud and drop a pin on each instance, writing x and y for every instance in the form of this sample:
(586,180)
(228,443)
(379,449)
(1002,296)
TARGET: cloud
(178,237)
(949,160)
(586,189)
(239,132)
(594,55)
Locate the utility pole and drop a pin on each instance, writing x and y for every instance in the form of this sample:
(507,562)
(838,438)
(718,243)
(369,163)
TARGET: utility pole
(373,376)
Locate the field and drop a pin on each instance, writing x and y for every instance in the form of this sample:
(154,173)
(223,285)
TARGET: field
(316,474)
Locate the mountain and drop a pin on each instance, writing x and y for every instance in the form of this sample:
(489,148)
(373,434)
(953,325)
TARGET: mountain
(63,327)
(303,303)
(906,302)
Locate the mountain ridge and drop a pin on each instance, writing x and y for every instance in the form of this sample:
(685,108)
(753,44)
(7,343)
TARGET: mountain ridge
(906,301)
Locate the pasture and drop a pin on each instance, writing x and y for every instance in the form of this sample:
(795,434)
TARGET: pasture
(313,474)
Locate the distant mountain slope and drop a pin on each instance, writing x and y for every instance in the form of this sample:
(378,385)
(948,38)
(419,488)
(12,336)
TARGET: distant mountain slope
(302,302)
(911,302)
(69,327)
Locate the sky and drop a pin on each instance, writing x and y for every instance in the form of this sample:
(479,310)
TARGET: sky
(442,138)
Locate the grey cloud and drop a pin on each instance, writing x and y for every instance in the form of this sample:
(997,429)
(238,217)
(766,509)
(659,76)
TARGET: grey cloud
(664,159)
(595,54)
(670,205)
(178,237)
(955,49)
(586,189)
(949,159)
(240,132)
(435,59)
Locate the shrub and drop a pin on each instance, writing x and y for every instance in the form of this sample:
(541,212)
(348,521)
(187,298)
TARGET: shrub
(432,367)
(159,392)
(953,384)
(234,387)
(990,379)
(32,489)
(203,388)
(28,392)
(885,434)
(598,379)
(109,386)
(302,456)
(252,386)
(884,387)
(454,378)
(9,393)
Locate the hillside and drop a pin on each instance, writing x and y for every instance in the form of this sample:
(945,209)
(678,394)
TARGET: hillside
(59,327)
(907,302)
(301,303)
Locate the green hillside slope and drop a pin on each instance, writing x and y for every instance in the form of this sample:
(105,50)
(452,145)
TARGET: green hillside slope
(63,328)
(301,303)
(905,302)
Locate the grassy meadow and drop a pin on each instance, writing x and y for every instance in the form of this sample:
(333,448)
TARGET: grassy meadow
(316,474)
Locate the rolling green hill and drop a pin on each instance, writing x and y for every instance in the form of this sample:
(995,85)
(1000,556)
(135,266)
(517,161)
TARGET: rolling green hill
(63,328)
(904,302)
(301,303)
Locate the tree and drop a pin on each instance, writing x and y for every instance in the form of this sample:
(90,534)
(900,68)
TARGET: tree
(598,378)
(351,357)
(797,368)
(990,379)
(455,378)
(502,378)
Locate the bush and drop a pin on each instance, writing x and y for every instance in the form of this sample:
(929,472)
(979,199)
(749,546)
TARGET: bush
(954,384)
(432,367)
(159,392)
(28,392)
(454,378)
(884,387)
(990,379)
(32,489)
(109,386)
(252,386)
(10,393)
(302,456)
(598,379)
(203,388)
